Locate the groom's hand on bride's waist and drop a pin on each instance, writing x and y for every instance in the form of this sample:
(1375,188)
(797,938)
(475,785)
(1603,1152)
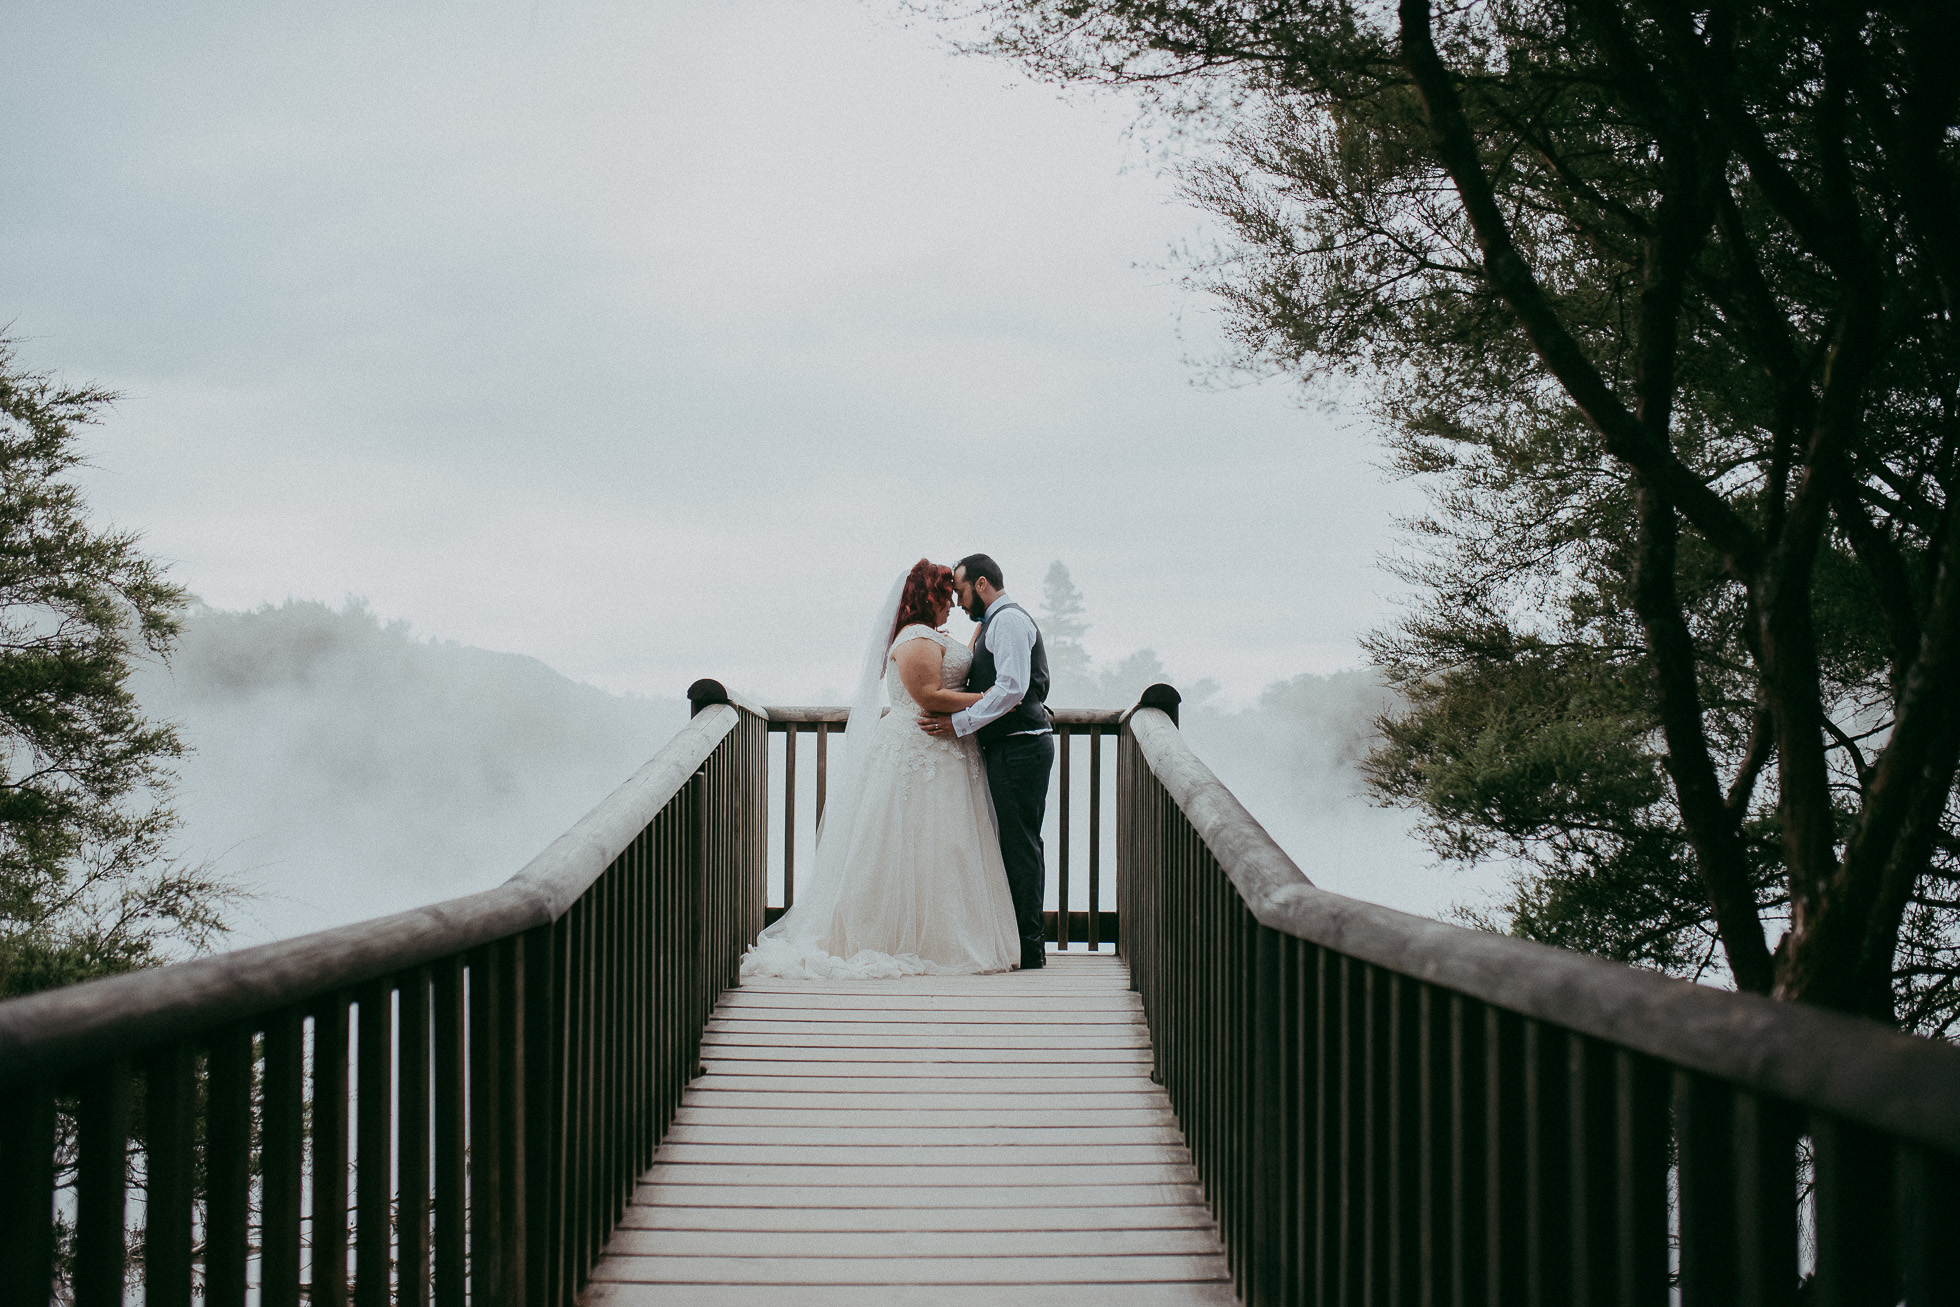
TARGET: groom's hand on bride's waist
(936,723)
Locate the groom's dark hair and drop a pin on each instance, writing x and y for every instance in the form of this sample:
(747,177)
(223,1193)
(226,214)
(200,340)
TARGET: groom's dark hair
(978,565)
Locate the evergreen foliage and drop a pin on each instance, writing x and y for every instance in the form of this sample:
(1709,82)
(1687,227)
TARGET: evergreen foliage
(1062,627)
(1660,301)
(86,887)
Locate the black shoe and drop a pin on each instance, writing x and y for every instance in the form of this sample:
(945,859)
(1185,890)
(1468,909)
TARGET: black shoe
(1031,959)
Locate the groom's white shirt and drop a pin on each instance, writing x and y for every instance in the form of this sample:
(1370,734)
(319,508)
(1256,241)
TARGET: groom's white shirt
(1010,639)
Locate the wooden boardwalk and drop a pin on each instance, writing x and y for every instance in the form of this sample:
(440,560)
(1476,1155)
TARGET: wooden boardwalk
(959,1140)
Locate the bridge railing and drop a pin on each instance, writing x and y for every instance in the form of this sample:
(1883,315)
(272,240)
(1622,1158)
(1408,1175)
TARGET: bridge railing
(1079,735)
(1387,1109)
(449,1105)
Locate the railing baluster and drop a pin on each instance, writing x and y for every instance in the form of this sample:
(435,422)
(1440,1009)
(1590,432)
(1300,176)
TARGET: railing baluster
(1548,1266)
(1929,1208)
(170,1142)
(1766,1202)
(101,1186)
(1405,1131)
(1353,1091)
(1854,1216)
(1640,1129)
(578,1112)
(486,1162)
(789,815)
(510,1213)
(1095,838)
(541,1070)
(373,1144)
(1267,1010)
(823,768)
(639,1075)
(564,1127)
(1061,895)
(608,1163)
(27,1168)
(1704,1133)
(451,1126)
(1433,1208)
(228,1168)
(329,1223)
(283,1158)
(1506,1161)
(412,1147)
(1373,1133)
(1469,1197)
(1592,1181)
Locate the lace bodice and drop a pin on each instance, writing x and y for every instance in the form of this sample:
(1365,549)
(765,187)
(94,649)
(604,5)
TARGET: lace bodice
(952,673)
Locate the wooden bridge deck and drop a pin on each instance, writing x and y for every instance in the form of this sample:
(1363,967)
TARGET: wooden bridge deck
(958,1140)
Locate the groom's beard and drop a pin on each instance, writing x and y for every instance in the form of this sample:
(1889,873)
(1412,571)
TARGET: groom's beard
(976,609)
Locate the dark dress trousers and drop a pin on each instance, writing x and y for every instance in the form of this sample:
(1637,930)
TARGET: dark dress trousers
(1018,767)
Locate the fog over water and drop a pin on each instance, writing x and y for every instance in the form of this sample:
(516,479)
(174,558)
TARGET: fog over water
(342,768)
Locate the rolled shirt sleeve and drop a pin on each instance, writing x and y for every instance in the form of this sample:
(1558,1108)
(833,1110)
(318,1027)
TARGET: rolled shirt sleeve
(1010,639)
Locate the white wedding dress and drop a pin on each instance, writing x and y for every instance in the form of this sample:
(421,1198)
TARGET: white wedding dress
(909,879)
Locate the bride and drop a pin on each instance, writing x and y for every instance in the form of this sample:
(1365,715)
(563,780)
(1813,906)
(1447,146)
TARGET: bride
(908,876)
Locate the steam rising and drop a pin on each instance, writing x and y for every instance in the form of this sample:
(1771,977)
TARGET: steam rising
(343,769)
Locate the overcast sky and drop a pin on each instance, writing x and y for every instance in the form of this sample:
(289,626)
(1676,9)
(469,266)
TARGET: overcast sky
(652,339)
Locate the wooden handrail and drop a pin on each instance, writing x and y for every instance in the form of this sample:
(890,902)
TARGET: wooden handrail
(1853,1068)
(530,1045)
(1386,1106)
(47,1033)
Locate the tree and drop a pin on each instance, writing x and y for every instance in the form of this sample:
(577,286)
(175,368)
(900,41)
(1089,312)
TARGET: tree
(1063,625)
(1661,299)
(86,887)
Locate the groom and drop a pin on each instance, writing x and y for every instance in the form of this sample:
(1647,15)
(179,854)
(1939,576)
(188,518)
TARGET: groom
(1010,673)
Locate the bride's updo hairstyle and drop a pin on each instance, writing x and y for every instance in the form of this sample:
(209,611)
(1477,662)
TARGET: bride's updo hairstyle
(927,588)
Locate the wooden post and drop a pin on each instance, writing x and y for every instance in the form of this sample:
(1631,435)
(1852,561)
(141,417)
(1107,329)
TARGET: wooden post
(789,814)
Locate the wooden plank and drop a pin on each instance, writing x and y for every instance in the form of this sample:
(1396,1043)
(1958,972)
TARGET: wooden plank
(1158,1216)
(858,1136)
(879,1156)
(966,1021)
(1056,987)
(740,1002)
(1065,1242)
(1004,1115)
(1082,1060)
(1005,1040)
(775,1192)
(926,1140)
(1189,1294)
(910,1270)
(923,1023)
(994,1175)
(1026,1077)
(995,998)
(961,1092)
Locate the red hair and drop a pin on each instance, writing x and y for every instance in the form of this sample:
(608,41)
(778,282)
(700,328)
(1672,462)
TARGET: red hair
(927,587)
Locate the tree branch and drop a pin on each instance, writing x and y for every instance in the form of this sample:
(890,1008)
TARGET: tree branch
(1627,439)
(1711,824)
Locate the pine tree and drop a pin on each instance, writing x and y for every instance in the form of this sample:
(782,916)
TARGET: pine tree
(1062,628)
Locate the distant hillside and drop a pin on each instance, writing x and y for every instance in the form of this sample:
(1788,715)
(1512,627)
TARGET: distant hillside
(342,768)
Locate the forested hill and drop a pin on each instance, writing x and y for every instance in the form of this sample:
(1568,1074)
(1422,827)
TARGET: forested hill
(341,768)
